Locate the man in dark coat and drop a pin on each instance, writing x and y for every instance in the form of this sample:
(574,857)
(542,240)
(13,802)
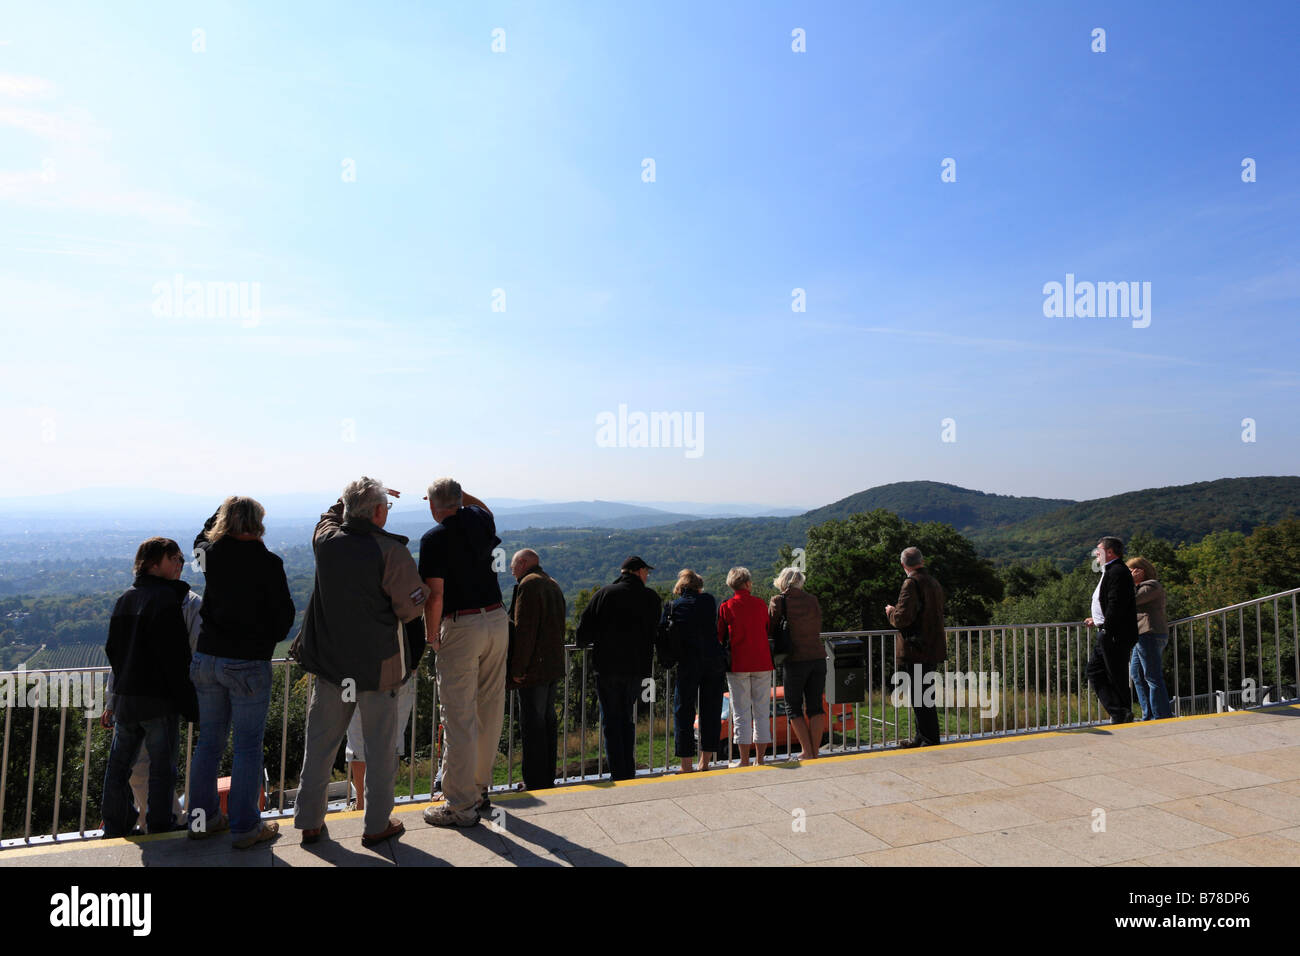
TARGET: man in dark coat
(920,645)
(1114,614)
(620,624)
(536,662)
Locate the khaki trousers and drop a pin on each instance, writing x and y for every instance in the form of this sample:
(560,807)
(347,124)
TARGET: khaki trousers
(471,669)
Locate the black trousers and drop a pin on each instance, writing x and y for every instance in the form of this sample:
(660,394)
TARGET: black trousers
(618,697)
(927,722)
(540,729)
(1108,673)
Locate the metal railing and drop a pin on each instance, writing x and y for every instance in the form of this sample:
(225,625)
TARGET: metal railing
(1041,685)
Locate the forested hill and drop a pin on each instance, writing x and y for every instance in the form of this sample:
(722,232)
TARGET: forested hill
(1178,514)
(921,501)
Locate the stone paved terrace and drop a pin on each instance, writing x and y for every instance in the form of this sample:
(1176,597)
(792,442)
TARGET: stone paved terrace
(1218,790)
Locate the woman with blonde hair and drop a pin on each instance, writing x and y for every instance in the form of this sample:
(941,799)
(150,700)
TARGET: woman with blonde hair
(1145,666)
(246,611)
(691,623)
(805,669)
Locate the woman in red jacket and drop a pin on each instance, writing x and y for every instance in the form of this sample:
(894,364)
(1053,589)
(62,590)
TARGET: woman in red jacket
(742,628)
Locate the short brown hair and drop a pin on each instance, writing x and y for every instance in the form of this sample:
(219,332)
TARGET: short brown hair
(688,580)
(152,552)
(1146,567)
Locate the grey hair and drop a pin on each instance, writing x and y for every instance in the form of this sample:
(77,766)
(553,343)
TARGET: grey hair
(912,558)
(445,493)
(1112,543)
(362,497)
(789,578)
(738,576)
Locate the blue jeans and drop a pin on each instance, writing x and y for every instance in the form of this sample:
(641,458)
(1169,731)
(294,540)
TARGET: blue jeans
(237,692)
(159,736)
(1149,676)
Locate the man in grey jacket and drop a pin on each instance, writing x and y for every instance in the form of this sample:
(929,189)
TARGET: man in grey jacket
(367,590)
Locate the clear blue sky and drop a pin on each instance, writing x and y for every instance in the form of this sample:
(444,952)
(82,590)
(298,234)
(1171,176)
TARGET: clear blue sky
(127,158)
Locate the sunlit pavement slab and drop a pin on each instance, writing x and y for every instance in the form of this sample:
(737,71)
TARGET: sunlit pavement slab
(1216,790)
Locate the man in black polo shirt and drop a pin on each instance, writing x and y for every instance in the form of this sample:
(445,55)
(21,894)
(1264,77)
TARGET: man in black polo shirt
(471,647)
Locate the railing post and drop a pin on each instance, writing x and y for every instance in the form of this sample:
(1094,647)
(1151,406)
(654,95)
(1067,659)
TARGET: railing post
(58,772)
(85,779)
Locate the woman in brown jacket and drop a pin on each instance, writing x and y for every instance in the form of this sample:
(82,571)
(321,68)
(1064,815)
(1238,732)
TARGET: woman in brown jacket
(1145,666)
(805,669)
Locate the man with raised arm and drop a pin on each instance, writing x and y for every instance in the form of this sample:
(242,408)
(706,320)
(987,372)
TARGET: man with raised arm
(353,638)
(473,637)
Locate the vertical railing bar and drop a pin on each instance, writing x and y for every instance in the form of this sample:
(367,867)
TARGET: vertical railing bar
(58,771)
(668,697)
(1223,628)
(1209,659)
(1191,660)
(1241,641)
(1277,651)
(1295,642)
(415,726)
(565,725)
(510,742)
(1178,709)
(1058,675)
(582,707)
(1038,681)
(85,779)
(1015,682)
(4,769)
(1259,646)
(31,773)
(284,735)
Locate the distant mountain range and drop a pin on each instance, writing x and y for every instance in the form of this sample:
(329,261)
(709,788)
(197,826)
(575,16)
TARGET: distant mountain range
(591,534)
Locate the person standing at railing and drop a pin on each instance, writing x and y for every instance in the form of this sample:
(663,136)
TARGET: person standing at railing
(366,597)
(691,623)
(805,670)
(619,624)
(148,647)
(1145,665)
(246,611)
(921,645)
(536,663)
(140,770)
(742,629)
(471,645)
(1114,614)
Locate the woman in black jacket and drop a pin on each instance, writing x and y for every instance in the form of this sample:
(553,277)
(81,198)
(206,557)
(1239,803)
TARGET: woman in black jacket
(692,624)
(246,611)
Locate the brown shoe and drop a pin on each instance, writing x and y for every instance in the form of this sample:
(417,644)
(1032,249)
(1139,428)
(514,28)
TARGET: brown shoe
(219,825)
(268,831)
(395,828)
(314,835)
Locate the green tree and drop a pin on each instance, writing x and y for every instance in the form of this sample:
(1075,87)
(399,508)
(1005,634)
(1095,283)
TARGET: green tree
(852,567)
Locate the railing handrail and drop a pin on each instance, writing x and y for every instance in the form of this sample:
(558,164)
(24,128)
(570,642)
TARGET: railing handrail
(877,632)
(1234,607)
